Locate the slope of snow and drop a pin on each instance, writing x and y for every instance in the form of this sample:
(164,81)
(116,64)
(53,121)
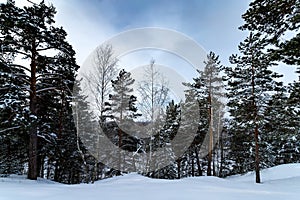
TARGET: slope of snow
(275,173)
(281,182)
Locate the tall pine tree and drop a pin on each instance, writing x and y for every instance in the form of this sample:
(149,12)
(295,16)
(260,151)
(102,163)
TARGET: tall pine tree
(274,19)
(250,84)
(31,36)
(208,87)
(123,108)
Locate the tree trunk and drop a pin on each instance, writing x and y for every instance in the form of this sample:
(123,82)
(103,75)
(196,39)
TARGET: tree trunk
(198,163)
(120,149)
(40,166)
(94,173)
(214,165)
(32,164)
(193,168)
(257,173)
(48,169)
(210,138)
(222,155)
(57,171)
(9,157)
(178,168)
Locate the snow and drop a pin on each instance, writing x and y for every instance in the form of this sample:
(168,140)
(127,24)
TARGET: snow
(281,182)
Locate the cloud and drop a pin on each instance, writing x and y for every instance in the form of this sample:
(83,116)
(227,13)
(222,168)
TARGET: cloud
(84,31)
(213,24)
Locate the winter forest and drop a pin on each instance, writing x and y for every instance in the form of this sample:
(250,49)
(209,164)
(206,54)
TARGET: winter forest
(234,119)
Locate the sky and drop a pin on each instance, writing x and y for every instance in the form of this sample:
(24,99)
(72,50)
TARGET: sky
(212,24)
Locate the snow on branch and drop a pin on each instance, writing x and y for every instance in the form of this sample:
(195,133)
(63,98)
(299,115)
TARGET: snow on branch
(8,129)
(45,89)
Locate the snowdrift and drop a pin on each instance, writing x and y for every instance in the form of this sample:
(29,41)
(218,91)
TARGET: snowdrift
(280,182)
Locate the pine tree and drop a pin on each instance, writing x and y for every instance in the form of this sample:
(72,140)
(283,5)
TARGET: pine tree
(250,82)
(208,87)
(196,114)
(294,108)
(30,34)
(294,100)
(122,101)
(13,119)
(122,107)
(281,140)
(162,148)
(274,19)
(87,132)
(213,80)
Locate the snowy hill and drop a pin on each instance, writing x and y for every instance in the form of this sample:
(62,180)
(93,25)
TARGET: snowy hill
(281,182)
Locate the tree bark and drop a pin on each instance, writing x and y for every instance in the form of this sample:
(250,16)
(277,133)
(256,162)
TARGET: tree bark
(210,137)
(178,168)
(120,149)
(32,164)
(257,173)
(222,155)
(198,163)
(193,168)
(257,161)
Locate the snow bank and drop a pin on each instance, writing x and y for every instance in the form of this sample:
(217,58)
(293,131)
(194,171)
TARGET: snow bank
(286,171)
(281,182)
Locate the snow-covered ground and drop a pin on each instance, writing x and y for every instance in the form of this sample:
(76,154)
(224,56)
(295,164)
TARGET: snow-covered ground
(281,182)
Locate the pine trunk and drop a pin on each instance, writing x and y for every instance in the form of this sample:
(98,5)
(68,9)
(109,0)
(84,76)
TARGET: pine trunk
(210,137)
(32,164)
(120,149)
(222,155)
(178,168)
(257,173)
(193,168)
(198,163)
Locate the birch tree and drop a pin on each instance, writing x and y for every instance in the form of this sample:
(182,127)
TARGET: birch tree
(103,70)
(154,95)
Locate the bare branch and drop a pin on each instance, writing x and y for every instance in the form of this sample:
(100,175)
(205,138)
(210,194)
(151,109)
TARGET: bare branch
(99,78)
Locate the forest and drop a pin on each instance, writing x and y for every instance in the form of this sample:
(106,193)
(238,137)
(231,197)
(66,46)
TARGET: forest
(234,119)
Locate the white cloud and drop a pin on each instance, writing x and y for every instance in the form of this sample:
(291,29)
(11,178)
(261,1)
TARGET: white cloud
(213,24)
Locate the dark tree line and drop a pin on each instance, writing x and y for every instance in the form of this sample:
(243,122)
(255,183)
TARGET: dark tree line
(256,99)
(36,96)
(41,136)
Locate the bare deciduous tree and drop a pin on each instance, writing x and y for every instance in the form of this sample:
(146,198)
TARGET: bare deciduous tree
(154,95)
(99,78)
(98,81)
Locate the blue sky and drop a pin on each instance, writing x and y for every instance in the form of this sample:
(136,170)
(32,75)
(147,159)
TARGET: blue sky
(213,24)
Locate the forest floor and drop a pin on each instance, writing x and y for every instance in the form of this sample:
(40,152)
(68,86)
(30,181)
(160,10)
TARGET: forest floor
(281,182)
